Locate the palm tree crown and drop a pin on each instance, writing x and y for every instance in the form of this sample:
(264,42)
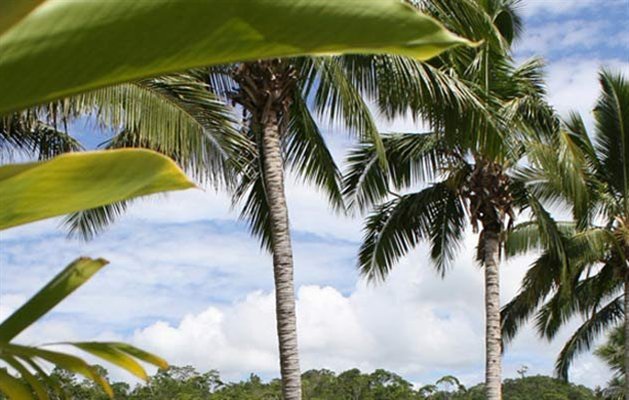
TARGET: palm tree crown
(585,271)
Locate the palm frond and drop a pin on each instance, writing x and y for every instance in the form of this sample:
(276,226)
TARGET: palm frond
(336,99)
(250,191)
(539,281)
(613,351)
(586,297)
(612,131)
(176,115)
(90,223)
(435,213)
(413,158)
(25,133)
(434,94)
(307,153)
(584,337)
(526,237)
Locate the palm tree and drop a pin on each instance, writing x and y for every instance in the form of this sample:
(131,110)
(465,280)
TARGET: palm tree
(468,184)
(282,130)
(585,272)
(469,154)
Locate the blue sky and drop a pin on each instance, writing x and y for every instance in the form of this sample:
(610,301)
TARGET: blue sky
(188,282)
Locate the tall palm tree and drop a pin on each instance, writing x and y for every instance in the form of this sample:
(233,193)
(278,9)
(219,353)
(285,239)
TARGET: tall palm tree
(463,184)
(592,177)
(277,97)
(469,154)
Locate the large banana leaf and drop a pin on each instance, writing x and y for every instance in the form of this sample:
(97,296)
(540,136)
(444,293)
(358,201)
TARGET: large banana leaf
(80,181)
(26,359)
(66,46)
(12,11)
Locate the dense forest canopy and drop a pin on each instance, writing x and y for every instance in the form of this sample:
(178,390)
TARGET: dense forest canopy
(186,383)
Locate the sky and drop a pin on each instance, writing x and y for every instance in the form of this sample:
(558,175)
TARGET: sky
(187,281)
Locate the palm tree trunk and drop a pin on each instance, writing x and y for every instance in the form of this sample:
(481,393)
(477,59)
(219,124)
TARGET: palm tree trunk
(626,335)
(493,340)
(282,259)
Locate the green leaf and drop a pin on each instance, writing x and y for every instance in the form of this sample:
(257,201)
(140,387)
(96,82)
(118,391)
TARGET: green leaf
(65,361)
(114,356)
(117,41)
(12,387)
(79,181)
(66,282)
(12,11)
(121,354)
(41,374)
(140,354)
(26,375)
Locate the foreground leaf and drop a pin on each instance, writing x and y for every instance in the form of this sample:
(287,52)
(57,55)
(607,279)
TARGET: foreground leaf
(118,40)
(62,360)
(66,282)
(12,387)
(80,181)
(12,11)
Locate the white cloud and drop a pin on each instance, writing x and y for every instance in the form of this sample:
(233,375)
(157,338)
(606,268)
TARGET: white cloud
(555,7)
(582,34)
(415,324)
(371,328)
(573,83)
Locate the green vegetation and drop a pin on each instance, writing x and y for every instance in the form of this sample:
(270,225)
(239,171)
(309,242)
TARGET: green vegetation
(185,383)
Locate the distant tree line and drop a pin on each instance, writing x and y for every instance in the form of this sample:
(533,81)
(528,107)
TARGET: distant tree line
(185,383)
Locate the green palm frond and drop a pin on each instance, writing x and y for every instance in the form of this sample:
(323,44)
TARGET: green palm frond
(307,154)
(475,20)
(413,158)
(394,228)
(250,191)
(336,99)
(549,232)
(431,93)
(613,350)
(547,278)
(612,132)
(525,104)
(25,133)
(578,135)
(583,338)
(176,115)
(559,174)
(526,237)
(586,298)
(89,223)
(539,281)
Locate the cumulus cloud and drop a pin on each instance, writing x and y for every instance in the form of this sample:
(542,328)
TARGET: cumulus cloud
(370,328)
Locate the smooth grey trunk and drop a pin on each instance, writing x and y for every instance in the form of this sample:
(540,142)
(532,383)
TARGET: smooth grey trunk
(626,335)
(493,340)
(282,260)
